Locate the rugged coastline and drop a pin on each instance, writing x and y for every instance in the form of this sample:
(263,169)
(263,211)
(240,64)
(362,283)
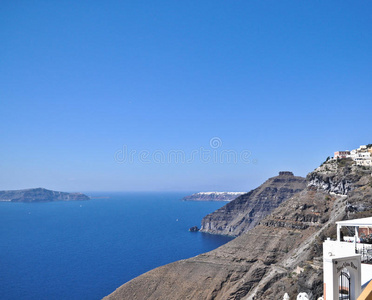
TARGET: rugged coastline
(263,262)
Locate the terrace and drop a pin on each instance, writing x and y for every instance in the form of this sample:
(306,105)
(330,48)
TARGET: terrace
(362,239)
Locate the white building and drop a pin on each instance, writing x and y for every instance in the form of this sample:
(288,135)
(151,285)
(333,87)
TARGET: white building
(347,262)
(362,156)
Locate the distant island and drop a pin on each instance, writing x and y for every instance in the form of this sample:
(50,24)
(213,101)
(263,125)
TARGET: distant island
(40,195)
(213,196)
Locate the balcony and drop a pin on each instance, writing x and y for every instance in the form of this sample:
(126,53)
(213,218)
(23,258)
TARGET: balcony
(362,238)
(365,250)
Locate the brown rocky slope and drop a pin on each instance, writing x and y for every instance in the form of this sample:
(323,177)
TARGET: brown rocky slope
(261,263)
(246,211)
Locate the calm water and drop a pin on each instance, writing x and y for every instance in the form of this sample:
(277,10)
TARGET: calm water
(86,249)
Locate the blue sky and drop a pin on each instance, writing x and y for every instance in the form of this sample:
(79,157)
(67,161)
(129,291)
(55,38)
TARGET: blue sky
(287,81)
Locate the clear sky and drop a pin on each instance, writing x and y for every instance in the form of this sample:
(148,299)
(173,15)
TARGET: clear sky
(99,95)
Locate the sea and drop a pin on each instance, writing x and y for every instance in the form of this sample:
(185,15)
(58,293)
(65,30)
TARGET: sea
(87,249)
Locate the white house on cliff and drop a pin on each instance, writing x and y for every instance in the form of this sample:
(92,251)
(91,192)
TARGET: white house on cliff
(362,156)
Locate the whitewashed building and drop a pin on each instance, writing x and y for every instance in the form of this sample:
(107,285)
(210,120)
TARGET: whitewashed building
(347,262)
(362,156)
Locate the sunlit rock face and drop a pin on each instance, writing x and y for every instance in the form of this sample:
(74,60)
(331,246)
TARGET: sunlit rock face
(245,212)
(338,176)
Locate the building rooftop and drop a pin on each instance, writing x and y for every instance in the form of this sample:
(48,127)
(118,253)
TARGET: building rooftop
(356,222)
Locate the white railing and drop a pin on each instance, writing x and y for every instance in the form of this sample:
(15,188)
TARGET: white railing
(365,250)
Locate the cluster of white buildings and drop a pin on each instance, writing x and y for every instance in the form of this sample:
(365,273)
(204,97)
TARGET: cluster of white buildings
(362,156)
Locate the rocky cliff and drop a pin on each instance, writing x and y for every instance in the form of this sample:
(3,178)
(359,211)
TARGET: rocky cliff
(213,196)
(283,253)
(39,195)
(337,176)
(243,213)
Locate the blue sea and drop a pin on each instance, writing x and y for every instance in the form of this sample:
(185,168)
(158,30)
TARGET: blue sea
(86,249)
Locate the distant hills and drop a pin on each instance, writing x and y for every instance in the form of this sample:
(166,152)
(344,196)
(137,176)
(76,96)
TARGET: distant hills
(213,196)
(40,195)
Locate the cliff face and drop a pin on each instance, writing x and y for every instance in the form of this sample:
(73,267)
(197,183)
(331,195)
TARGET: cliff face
(338,176)
(39,195)
(243,213)
(254,264)
(266,262)
(344,177)
(213,196)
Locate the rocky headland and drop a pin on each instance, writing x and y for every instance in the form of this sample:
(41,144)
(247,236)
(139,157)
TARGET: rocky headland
(213,196)
(245,212)
(282,253)
(40,195)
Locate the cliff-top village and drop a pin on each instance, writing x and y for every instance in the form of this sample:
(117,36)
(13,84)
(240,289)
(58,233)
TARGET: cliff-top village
(362,156)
